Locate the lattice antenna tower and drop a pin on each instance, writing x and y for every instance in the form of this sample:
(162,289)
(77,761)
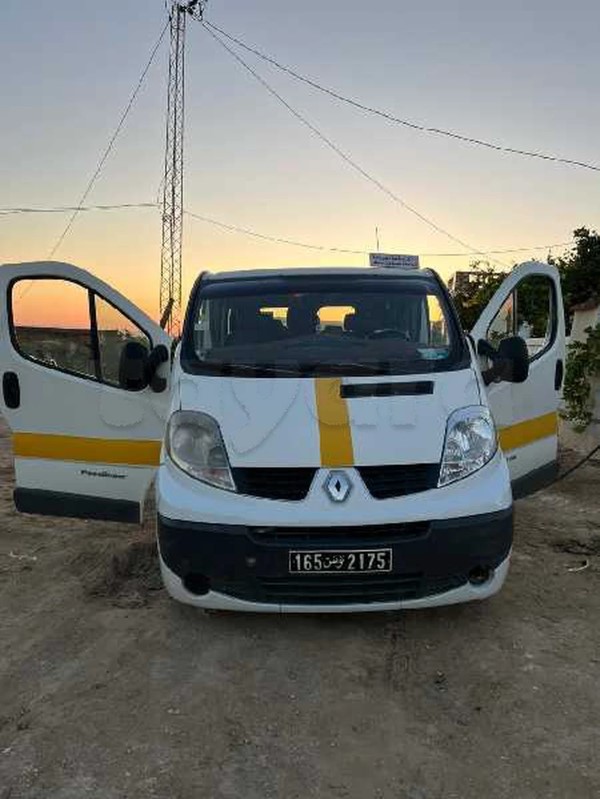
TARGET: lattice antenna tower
(172,204)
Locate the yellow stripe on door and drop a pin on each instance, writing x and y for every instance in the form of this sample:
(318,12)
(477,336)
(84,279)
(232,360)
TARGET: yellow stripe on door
(334,423)
(88,450)
(529,431)
(334,433)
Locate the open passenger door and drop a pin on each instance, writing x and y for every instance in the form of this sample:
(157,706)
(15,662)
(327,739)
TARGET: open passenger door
(528,304)
(85,391)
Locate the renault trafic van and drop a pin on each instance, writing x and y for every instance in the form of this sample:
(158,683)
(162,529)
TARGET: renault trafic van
(322,440)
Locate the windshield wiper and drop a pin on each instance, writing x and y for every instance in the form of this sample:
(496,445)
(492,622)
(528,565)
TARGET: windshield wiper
(349,368)
(365,369)
(227,367)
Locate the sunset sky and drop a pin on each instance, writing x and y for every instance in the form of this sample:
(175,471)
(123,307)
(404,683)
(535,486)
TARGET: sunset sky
(522,74)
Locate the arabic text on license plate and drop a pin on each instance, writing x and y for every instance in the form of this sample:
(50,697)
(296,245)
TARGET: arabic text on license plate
(338,562)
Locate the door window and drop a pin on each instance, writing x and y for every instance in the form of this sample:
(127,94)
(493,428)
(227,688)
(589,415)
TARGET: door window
(529,312)
(63,325)
(51,325)
(536,313)
(503,324)
(115,330)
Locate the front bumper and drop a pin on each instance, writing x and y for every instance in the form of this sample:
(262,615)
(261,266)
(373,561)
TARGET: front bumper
(246,568)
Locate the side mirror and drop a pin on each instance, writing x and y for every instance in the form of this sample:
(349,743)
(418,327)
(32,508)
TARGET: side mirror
(133,366)
(158,356)
(510,362)
(514,357)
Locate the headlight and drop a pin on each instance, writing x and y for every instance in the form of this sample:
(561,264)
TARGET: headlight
(195,445)
(470,443)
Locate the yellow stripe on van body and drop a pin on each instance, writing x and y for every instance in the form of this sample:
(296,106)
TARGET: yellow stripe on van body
(334,423)
(87,450)
(523,433)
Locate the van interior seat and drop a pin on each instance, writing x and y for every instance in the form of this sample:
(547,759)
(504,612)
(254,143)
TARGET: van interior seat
(256,328)
(301,321)
(349,323)
(360,323)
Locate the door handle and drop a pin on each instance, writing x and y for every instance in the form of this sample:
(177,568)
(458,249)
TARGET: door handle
(11,390)
(559,374)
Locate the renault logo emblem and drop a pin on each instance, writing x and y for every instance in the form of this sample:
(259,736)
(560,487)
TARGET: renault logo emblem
(338,486)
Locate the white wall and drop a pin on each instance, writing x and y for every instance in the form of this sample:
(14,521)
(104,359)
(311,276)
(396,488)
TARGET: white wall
(582,320)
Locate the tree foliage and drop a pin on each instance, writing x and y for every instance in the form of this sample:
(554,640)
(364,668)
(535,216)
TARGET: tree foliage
(472,296)
(580,278)
(580,269)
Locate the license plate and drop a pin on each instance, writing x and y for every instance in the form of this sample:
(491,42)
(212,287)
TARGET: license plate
(332,561)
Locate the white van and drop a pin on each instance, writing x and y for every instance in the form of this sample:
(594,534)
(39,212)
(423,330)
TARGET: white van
(321,439)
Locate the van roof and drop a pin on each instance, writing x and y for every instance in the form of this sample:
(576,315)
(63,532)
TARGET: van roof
(312,271)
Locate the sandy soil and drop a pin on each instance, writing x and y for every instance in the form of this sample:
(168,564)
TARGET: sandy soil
(110,690)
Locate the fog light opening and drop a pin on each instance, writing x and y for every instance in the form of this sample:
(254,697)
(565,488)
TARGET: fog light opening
(480,575)
(196,584)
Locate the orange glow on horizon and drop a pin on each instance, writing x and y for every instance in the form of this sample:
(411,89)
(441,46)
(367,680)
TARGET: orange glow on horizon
(124,251)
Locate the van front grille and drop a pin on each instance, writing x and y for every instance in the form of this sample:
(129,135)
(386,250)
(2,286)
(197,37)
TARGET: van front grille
(382,482)
(385,482)
(274,483)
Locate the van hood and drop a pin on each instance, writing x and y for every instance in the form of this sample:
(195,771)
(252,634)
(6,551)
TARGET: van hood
(329,422)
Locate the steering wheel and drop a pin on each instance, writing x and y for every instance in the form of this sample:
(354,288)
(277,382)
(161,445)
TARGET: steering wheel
(389,332)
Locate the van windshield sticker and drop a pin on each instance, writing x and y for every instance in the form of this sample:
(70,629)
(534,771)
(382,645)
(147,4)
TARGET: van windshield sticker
(434,353)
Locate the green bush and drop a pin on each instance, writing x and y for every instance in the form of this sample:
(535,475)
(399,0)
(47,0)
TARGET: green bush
(583,363)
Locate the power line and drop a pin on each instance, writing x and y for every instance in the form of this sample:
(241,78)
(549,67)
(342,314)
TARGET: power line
(501,252)
(62,209)
(275,239)
(341,153)
(111,143)
(324,248)
(398,120)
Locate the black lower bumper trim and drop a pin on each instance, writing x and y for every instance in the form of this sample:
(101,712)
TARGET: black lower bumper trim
(252,563)
(340,589)
(75,506)
(535,481)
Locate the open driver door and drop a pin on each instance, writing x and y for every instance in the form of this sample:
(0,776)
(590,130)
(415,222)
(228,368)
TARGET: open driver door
(85,392)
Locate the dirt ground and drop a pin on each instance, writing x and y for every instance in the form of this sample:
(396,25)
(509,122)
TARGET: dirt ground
(110,690)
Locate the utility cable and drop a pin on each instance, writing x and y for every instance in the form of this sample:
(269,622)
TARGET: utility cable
(398,120)
(111,143)
(577,465)
(341,153)
(276,239)
(63,209)
(325,248)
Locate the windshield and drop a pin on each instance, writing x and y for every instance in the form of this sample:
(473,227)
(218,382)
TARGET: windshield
(321,326)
